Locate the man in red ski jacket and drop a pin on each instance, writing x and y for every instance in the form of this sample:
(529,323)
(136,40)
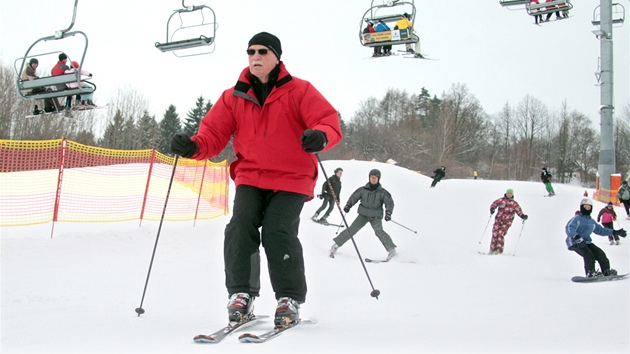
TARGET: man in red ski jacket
(60,69)
(278,121)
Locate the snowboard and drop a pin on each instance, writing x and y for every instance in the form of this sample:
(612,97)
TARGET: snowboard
(583,279)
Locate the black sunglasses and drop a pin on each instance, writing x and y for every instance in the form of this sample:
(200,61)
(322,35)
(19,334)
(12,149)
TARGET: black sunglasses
(262,51)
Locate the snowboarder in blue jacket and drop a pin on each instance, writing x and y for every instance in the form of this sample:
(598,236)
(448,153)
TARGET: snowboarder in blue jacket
(579,230)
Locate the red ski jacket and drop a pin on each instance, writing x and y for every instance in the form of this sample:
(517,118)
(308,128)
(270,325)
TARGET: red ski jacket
(267,142)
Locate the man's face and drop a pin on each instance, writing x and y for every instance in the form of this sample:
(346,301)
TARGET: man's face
(374,179)
(339,173)
(587,206)
(260,65)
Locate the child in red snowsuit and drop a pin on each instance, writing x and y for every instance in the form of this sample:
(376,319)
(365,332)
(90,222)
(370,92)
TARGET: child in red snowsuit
(506,208)
(607,215)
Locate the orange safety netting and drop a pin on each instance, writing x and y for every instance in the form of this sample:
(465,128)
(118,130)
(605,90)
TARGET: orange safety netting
(60,180)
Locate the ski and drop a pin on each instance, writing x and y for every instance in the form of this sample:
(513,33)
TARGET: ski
(221,334)
(493,254)
(583,279)
(45,114)
(370,260)
(267,336)
(328,224)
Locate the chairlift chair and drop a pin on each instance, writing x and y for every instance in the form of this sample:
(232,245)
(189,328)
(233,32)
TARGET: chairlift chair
(618,15)
(174,45)
(392,37)
(48,85)
(545,8)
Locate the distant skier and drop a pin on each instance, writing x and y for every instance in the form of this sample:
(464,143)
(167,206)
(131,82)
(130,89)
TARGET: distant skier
(607,215)
(545,176)
(506,207)
(372,197)
(438,175)
(329,197)
(624,197)
(579,230)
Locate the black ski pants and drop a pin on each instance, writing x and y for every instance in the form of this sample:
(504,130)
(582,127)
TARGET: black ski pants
(626,205)
(329,202)
(273,218)
(592,253)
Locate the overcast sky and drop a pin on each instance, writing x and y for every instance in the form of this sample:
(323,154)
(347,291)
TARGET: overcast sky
(498,53)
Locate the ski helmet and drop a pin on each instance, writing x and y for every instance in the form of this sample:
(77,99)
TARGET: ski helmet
(376,173)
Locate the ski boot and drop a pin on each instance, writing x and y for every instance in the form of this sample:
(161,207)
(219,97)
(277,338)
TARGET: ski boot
(287,313)
(314,217)
(240,307)
(333,250)
(323,221)
(593,274)
(610,272)
(391,254)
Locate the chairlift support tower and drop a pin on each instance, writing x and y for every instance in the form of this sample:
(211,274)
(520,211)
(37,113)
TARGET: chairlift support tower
(605,77)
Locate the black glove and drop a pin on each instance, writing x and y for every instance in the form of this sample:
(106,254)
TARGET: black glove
(525,217)
(491,212)
(182,145)
(579,241)
(320,196)
(346,209)
(388,216)
(620,232)
(314,140)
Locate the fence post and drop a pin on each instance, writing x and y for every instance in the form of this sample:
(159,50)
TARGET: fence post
(64,144)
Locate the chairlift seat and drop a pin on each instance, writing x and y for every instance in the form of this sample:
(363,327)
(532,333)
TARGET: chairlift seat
(184,44)
(52,82)
(507,3)
(548,7)
(393,37)
(48,81)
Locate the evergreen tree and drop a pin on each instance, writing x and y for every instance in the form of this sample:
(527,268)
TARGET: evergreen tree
(169,126)
(113,135)
(194,116)
(148,132)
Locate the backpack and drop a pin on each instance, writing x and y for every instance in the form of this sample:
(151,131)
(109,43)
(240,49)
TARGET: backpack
(625,194)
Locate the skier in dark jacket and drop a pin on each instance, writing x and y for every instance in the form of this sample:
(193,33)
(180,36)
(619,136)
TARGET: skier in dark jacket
(372,197)
(545,177)
(579,230)
(624,197)
(438,175)
(329,197)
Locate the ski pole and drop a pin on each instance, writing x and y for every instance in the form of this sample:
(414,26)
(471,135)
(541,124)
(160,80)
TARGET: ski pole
(486,228)
(519,238)
(375,292)
(401,225)
(140,310)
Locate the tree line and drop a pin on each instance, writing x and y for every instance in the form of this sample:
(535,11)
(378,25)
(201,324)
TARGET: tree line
(421,131)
